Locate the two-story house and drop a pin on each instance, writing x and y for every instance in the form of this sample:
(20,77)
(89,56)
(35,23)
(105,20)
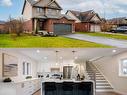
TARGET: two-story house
(45,15)
(88,21)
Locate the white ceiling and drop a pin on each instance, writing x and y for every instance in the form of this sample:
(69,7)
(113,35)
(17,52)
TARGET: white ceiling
(66,54)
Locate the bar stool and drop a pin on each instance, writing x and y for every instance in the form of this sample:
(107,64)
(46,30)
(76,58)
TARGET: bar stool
(85,88)
(50,88)
(67,88)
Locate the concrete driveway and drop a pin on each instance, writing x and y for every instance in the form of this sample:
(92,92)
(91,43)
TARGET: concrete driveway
(100,40)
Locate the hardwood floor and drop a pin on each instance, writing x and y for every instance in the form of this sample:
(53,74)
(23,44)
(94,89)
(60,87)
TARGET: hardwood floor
(106,93)
(99,93)
(37,93)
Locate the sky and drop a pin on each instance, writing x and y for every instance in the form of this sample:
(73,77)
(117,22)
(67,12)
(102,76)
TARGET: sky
(105,8)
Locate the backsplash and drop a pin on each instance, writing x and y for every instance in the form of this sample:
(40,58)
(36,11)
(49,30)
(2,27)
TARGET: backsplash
(53,75)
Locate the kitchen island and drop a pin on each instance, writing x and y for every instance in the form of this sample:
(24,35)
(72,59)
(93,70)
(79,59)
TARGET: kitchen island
(67,87)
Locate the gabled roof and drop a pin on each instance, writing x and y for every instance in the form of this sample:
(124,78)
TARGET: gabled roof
(34,2)
(55,17)
(84,16)
(54,1)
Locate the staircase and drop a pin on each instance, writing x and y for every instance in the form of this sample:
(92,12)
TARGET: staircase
(101,83)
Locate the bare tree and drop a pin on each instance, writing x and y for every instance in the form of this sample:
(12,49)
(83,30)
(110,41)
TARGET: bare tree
(14,26)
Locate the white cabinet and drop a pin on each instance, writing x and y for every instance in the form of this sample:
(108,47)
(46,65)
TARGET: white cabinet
(28,87)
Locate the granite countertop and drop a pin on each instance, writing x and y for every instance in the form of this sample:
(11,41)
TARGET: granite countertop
(18,81)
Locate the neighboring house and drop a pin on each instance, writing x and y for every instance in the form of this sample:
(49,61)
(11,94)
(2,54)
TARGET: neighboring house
(45,15)
(86,21)
(2,24)
(118,21)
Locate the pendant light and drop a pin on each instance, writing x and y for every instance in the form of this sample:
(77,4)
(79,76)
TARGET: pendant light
(57,62)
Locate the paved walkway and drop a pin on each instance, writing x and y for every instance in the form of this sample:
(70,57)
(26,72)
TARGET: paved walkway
(100,40)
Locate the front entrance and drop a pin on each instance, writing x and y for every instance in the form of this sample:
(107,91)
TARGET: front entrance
(62,29)
(41,24)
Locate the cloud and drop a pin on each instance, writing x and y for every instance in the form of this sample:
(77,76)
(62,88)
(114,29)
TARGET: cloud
(114,7)
(6,2)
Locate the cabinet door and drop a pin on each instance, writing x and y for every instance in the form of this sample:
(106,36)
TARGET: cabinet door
(19,88)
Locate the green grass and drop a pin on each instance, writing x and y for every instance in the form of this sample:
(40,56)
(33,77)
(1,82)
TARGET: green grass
(114,36)
(26,41)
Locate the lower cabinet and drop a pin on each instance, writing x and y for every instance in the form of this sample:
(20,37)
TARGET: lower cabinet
(28,87)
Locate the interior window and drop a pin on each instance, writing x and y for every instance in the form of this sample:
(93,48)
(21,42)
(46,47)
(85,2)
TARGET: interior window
(26,68)
(123,67)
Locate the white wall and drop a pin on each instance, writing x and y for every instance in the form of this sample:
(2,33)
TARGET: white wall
(46,65)
(109,66)
(21,59)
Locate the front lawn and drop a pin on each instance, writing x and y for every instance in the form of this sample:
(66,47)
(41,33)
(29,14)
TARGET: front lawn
(114,36)
(45,42)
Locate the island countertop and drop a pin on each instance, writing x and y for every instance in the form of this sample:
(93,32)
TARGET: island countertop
(63,80)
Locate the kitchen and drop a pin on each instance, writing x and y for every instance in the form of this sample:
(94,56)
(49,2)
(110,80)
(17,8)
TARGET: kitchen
(52,71)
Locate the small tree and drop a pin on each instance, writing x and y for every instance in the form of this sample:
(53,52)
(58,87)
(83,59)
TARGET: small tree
(14,26)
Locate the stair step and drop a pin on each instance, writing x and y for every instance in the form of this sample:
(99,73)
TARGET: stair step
(104,90)
(103,87)
(96,76)
(101,81)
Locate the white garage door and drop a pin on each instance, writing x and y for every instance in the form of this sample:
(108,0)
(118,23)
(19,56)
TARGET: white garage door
(95,28)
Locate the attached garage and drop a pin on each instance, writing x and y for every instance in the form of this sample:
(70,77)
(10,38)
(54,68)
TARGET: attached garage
(62,29)
(95,28)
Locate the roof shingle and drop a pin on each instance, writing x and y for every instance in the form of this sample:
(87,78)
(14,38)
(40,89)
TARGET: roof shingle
(84,16)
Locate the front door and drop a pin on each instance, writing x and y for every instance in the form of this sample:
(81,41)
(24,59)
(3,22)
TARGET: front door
(41,25)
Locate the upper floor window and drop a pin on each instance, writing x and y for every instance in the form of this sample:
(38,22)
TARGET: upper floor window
(53,12)
(40,10)
(123,67)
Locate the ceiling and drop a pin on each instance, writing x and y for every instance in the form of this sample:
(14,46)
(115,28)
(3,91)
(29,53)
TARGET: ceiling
(66,54)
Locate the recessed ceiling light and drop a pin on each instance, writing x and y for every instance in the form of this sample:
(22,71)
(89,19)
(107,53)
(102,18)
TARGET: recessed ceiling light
(38,51)
(114,51)
(76,57)
(61,57)
(45,58)
(56,64)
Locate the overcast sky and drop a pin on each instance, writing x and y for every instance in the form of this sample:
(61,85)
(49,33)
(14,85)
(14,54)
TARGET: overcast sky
(105,8)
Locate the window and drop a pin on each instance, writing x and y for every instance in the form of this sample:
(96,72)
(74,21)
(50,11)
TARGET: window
(23,68)
(123,67)
(26,68)
(40,10)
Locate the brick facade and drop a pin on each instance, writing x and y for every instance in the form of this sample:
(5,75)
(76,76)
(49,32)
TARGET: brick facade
(51,22)
(82,27)
(2,27)
(48,24)
(28,26)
